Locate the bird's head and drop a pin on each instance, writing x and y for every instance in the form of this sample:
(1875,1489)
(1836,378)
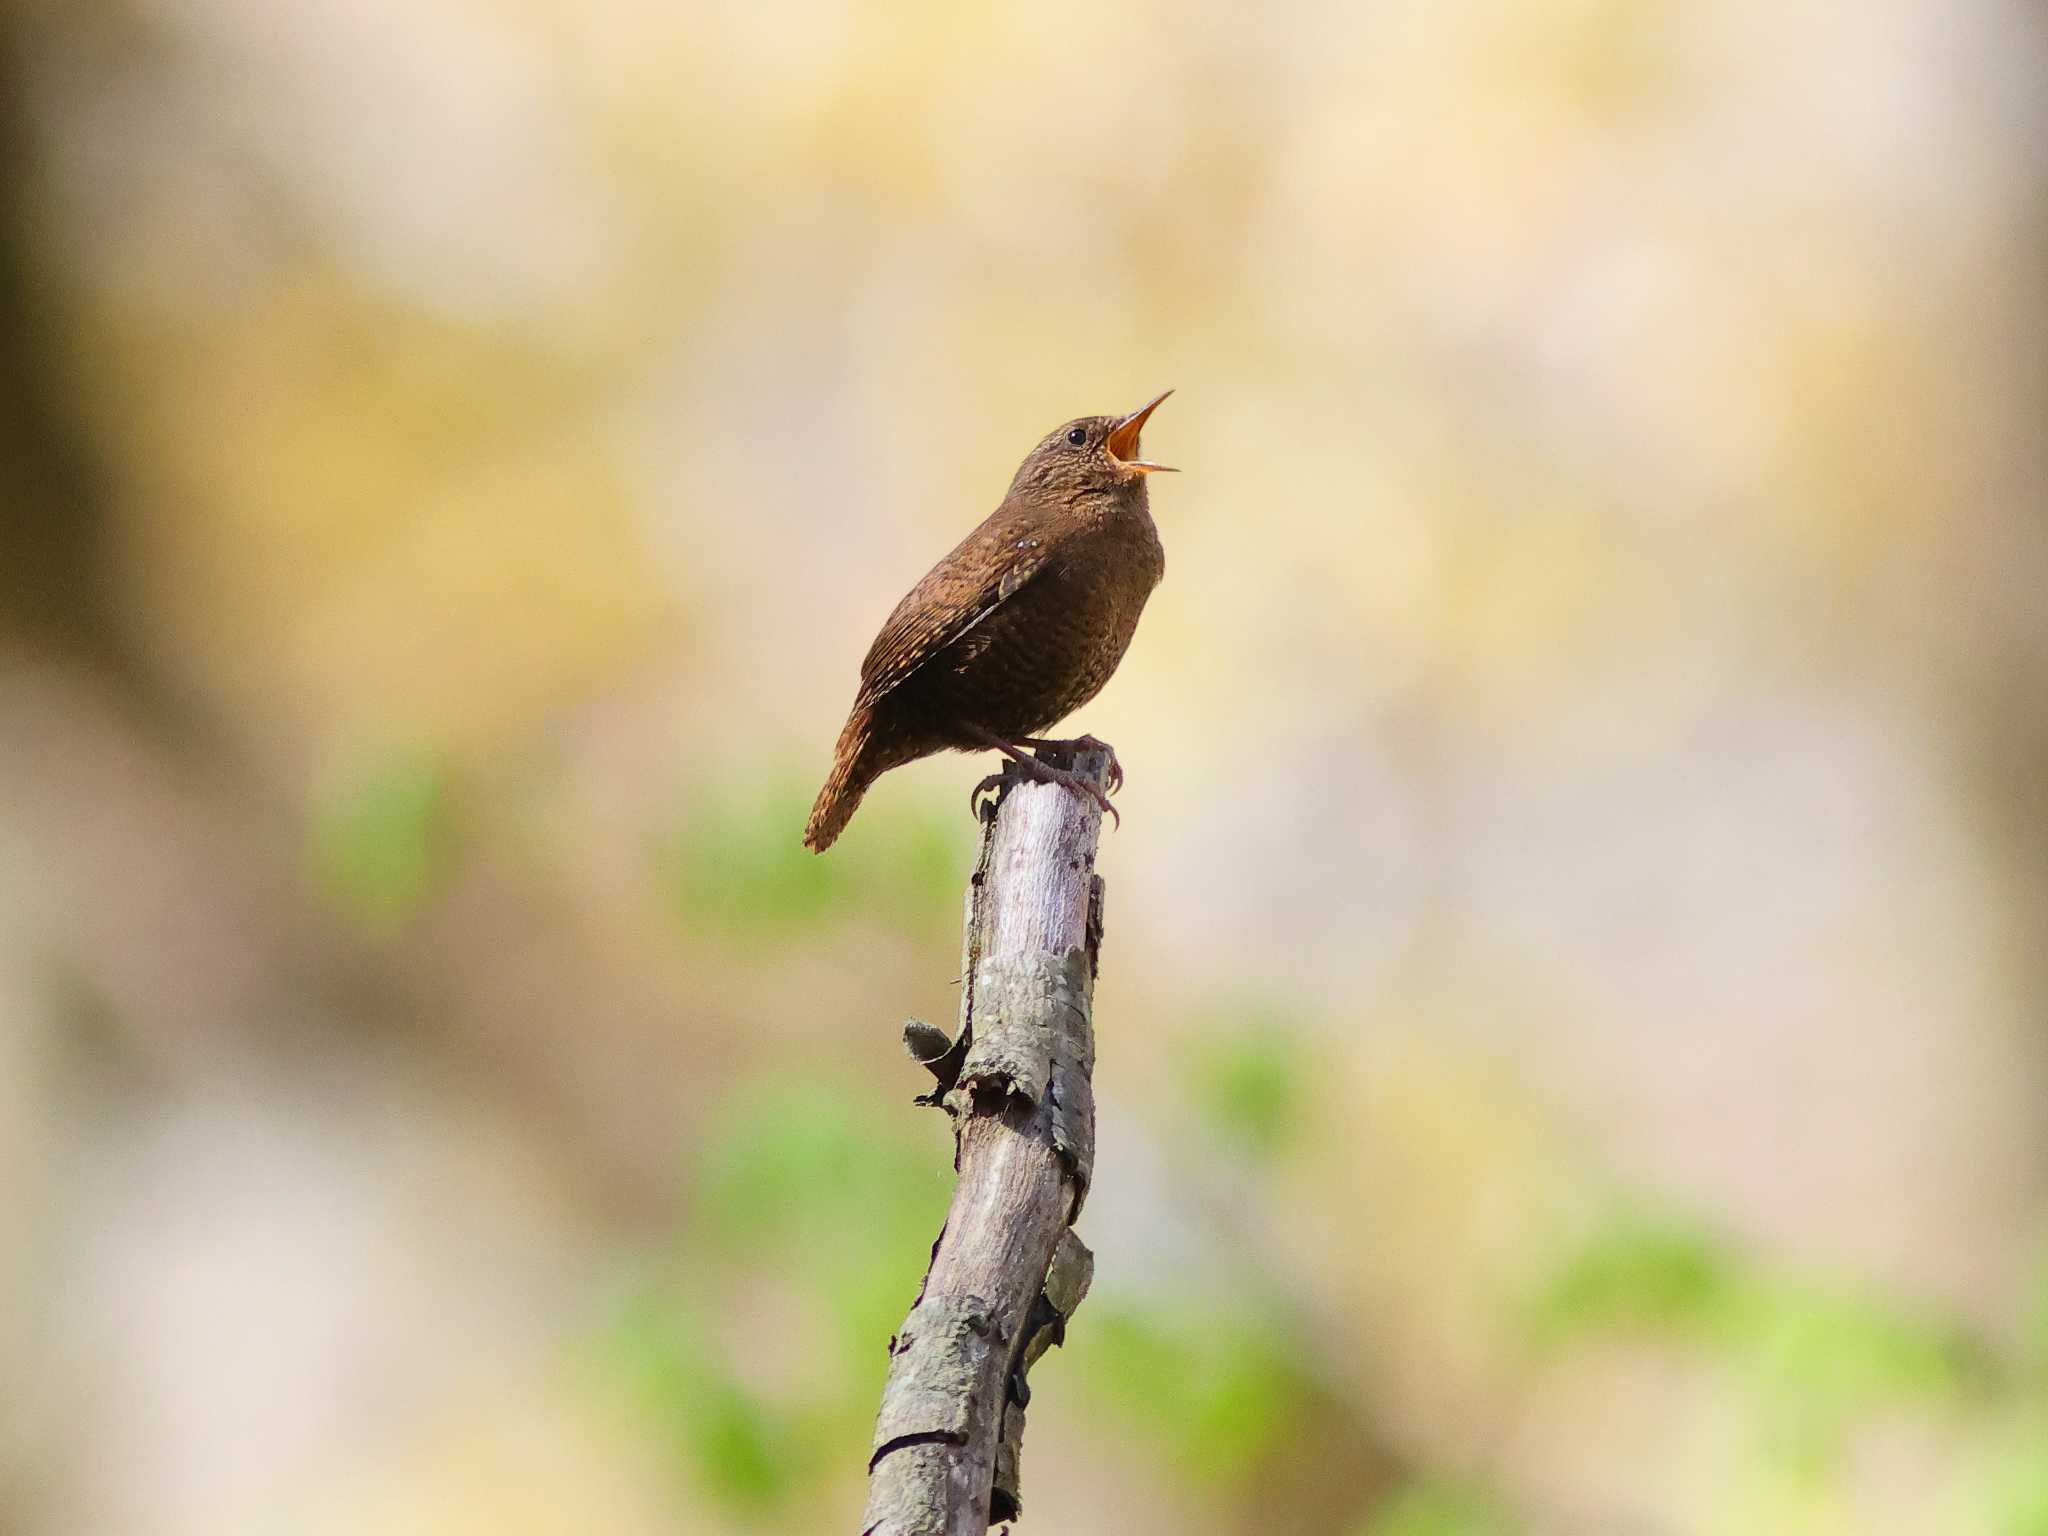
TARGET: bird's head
(1092,454)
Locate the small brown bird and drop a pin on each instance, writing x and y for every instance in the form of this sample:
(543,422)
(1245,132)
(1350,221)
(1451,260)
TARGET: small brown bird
(1017,628)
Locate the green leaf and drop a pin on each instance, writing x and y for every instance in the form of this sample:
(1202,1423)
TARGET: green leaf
(1642,1271)
(791,1177)
(1439,1507)
(797,1196)
(1816,1360)
(1216,1387)
(380,847)
(737,865)
(2019,1475)
(746,1456)
(1249,1081)
(747,1453)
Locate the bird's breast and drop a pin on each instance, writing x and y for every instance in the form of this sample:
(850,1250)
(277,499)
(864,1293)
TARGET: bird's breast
(1051,646)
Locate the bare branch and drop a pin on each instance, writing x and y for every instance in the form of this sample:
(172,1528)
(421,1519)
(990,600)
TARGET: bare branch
(1007,1271)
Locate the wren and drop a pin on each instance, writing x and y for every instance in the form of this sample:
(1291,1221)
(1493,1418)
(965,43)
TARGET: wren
(1017,628)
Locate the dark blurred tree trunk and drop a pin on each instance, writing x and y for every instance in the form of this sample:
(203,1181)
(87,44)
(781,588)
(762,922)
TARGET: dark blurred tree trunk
(52,510)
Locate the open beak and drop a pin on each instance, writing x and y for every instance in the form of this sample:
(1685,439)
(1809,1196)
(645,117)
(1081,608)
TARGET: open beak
(1123,440)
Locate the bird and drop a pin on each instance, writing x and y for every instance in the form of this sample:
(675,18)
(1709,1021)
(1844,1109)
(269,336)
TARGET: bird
(1016,628)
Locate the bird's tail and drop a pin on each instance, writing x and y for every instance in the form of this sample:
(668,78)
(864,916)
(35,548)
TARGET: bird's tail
(855,763)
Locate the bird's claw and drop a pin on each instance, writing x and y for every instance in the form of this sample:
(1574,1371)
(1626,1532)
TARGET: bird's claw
(1103,800)
(1044,773)
(1080,786)
(1115,772)
(992,785)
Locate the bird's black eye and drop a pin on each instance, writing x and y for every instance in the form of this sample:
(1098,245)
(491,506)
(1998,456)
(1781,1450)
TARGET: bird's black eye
(1077,435)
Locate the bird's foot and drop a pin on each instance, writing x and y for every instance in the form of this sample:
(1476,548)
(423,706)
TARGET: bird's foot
(1079,744)
(1045,773)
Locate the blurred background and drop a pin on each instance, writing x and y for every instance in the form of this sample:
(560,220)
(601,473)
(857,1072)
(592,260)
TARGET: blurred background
(1572,1024)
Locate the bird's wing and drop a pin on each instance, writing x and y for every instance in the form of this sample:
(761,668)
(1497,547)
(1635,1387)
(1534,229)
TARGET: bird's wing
(984,570)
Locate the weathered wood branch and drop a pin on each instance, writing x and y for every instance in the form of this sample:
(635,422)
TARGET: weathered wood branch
(1007,1271)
